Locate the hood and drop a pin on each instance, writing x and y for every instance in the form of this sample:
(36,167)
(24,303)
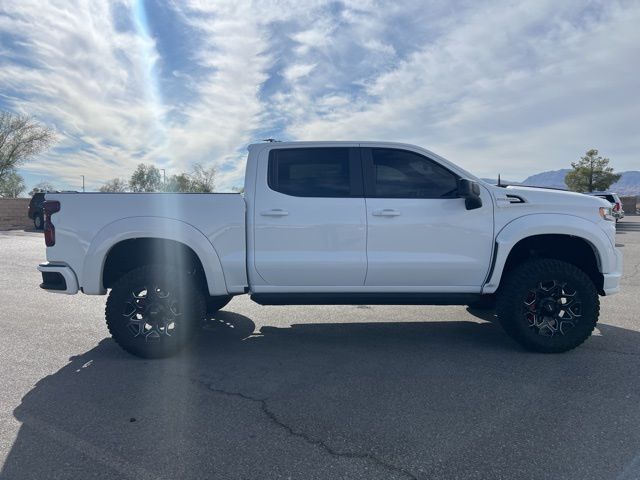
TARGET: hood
(548,196)
(514,202)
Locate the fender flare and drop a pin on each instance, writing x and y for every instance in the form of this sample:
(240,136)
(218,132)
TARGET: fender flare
(150,227)
(545,224)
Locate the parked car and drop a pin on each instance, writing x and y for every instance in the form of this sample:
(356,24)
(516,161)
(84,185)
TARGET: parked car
(614,200)
(35,211)
(336,223)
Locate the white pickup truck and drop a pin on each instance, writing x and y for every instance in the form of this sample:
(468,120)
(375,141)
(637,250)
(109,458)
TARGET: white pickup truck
(337,223)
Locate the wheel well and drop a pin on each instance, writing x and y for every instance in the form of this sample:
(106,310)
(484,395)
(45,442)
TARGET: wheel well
(568,248)
(136,252)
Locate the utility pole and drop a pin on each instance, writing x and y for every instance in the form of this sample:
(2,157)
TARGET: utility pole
(82,182)
(164,177)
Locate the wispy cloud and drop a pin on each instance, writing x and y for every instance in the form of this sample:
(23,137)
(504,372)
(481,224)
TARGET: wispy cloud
(76,70)
(493,85)
(502,88)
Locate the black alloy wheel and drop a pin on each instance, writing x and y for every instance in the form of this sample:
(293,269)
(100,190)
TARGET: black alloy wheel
(548,305)
(153,311)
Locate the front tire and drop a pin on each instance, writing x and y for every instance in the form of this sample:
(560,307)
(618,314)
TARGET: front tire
(153,311)
(548,305)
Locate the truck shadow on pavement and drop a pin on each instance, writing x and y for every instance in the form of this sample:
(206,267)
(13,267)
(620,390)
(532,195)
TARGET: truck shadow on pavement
(360,400)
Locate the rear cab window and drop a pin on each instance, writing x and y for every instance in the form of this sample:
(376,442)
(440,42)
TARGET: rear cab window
(315,172)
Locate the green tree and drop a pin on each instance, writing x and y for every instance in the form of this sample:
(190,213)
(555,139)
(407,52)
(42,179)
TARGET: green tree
(21,138)
(12,185)
(179,183)
(114,185)
(146,178)
(591,173)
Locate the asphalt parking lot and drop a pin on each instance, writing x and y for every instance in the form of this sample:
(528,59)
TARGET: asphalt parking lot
(313,392)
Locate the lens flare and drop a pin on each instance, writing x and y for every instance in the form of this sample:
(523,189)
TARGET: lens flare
(149,68)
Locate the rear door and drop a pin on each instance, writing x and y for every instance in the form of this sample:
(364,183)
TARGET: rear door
(420,235)
(309,218)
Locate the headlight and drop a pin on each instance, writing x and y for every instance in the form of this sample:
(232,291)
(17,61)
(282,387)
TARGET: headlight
(605,213)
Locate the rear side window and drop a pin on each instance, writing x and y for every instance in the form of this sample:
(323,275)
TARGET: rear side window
(403,174)
(314,172)
(609,198)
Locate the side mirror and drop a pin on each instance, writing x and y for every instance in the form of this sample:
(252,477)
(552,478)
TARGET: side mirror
(470,191)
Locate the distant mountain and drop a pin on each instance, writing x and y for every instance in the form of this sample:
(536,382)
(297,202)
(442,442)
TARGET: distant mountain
(629,183)
(551,178)
(494,181)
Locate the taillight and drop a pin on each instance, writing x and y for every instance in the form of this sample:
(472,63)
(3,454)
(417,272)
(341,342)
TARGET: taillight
(49,207)
(616,207)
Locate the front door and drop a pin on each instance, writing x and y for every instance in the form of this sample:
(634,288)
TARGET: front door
(419,232)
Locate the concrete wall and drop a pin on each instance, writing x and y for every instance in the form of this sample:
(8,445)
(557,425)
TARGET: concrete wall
(13,213)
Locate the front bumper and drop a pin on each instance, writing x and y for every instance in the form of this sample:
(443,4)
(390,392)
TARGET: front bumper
(611,283)
(58,278)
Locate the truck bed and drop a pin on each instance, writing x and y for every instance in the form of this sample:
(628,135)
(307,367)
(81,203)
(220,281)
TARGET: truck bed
(89,224)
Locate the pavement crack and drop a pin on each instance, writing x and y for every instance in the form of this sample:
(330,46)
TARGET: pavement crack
(273,418)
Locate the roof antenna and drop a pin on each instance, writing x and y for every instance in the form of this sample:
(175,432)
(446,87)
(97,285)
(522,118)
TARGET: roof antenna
(499,184)
(270,140)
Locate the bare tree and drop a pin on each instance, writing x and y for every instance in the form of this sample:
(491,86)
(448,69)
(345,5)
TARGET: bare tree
(203,179)
(41,187)
(115,185)
(21,137)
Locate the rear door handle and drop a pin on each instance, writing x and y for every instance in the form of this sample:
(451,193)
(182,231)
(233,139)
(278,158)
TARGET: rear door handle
(386,212)
(274,212)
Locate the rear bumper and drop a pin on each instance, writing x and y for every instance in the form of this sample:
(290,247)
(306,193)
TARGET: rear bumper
(58,278)
(611,283)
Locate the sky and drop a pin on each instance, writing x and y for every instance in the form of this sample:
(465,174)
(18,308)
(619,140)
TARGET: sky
(495,86)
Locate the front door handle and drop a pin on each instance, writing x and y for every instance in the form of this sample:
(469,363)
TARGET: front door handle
(274,212)
(386,212)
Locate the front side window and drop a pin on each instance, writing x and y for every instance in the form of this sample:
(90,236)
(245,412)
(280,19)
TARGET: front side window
(310,172)
(403,174)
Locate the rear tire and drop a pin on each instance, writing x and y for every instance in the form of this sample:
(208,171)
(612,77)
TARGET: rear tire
(153,311)
(38,222)
(217,303)
(548,305)
(484,303)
